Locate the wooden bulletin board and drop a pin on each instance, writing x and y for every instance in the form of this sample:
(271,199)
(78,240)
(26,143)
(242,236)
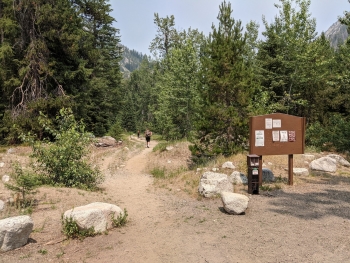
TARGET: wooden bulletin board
(277,134)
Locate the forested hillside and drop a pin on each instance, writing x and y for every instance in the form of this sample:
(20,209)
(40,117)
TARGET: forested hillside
(200,87)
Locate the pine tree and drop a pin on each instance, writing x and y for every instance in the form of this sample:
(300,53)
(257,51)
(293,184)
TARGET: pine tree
(226,88)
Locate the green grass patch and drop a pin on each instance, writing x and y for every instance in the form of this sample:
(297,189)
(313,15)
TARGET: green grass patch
(158,172)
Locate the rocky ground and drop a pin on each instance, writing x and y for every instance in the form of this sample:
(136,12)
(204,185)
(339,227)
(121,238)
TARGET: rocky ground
(306,222)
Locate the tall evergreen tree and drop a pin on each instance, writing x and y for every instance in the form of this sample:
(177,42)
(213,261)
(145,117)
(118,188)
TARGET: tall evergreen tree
(178,97)
(227,85)
(59,53)
(99,100)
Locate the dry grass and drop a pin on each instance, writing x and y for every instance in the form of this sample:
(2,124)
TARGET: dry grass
(170,170)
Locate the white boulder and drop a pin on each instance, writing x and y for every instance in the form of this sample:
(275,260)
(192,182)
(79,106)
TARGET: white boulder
(238,178)
(14,232)
(234,203)
(212,184)
(325,164)
(97,215)
(339,159)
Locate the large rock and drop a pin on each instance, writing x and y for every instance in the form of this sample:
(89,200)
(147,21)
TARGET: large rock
(267,175)
(324,164)
(234,203)
(97,215)
(14,232)
(105,141)
(212,184)
(339,159)
(238,178)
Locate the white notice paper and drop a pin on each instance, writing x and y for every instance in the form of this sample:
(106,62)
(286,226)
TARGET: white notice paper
(259,138)
(268,123)
(276,123)
(284,136)
(275,136)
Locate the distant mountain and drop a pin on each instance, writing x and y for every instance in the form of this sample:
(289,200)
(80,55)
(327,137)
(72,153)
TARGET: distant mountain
(337,34)
(131,61)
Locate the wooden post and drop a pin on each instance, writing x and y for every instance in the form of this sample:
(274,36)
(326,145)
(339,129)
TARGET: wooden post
(260,170)
(290,169)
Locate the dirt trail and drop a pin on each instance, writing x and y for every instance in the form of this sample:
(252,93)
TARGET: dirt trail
(160,227)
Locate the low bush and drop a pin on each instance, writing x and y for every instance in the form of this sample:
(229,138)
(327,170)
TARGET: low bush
(61,162)
(71,229)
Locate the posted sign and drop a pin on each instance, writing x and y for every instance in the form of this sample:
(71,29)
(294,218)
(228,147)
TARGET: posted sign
(277,134)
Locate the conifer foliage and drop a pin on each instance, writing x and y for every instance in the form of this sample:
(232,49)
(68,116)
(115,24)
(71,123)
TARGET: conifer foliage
(226,88)
(55,54)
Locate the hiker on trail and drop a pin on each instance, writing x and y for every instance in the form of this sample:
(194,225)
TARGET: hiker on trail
(148,135)
(138,134)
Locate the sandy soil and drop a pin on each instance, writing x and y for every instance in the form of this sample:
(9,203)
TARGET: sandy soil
(307,222)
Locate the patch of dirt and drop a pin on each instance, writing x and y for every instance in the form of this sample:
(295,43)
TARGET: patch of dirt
(306,222)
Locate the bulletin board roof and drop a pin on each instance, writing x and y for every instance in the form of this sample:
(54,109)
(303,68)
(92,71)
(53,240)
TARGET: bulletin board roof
(277,124)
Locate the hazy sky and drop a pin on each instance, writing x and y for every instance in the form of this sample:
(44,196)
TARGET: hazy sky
(135,17)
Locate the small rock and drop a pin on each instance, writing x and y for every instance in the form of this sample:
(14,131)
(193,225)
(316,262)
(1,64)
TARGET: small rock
(5,178)
(11,150)
(2,164)
(228,165)
(301,171)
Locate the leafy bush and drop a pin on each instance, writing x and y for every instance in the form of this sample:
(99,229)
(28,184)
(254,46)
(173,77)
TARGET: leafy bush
(62,162)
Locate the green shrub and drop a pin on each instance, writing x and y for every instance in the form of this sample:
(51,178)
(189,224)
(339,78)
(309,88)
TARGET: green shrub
(62,162)
(161,147)
(24,184)
(71,229)
(120,220)
(158,172)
